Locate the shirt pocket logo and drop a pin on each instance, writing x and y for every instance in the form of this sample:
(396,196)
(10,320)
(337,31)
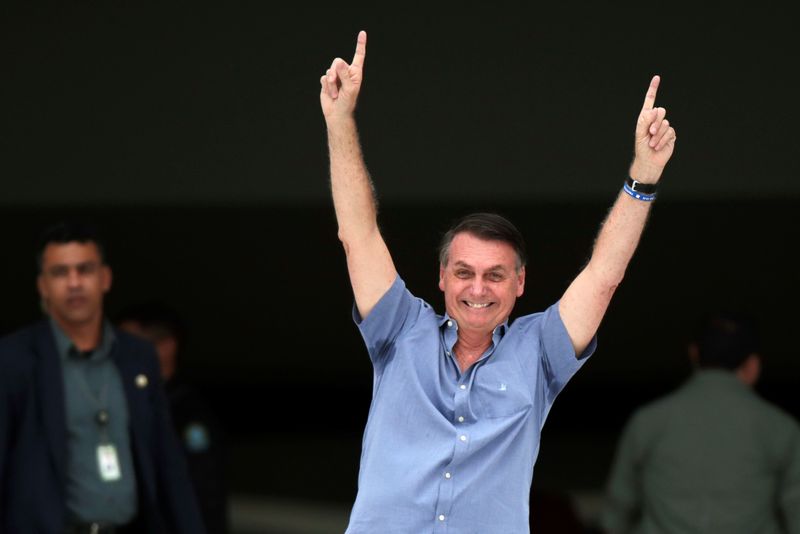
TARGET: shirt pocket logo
(499,392)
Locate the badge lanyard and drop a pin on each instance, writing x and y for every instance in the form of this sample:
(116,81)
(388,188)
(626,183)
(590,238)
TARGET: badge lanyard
(107,459)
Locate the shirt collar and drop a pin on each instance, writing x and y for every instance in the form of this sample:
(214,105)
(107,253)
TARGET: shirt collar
(449,329)
(499,330)
(66,347)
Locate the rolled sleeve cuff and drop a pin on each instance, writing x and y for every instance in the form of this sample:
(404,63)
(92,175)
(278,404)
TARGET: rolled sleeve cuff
(392,314)
(384,307)
(558,346)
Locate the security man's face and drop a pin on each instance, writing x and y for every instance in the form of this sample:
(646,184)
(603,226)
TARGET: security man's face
(72,283)
(481,282)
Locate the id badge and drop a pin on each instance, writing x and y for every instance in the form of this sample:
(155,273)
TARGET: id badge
(108,463)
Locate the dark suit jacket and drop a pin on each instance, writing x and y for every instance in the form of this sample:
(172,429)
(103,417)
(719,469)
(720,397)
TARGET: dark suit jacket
(33,452)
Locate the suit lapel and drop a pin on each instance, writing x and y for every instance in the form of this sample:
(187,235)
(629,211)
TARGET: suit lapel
(50,385)
(126,375)
(130,370)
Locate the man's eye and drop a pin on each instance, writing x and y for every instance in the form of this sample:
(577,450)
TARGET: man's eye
(87,268)
(495,277)
(463,274)
(58,272)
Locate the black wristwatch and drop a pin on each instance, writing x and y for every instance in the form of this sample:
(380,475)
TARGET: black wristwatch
(639,187)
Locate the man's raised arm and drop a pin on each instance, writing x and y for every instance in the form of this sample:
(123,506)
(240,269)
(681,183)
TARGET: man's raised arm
(368,260)
(585,302)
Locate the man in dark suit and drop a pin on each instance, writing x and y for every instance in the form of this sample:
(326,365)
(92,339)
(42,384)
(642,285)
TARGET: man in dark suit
(86,443)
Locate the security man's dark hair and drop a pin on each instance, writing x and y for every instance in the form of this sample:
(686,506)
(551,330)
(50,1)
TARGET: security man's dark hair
(725,340)
(156,317)
(487,226)
(64,232)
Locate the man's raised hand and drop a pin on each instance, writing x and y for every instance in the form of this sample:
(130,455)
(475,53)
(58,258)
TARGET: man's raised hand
(341,83)
(655,138)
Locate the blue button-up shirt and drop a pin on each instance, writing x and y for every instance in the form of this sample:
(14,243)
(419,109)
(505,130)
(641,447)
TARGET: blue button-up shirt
(446,451)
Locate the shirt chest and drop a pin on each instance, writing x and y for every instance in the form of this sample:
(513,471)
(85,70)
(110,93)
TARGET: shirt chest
(423,377)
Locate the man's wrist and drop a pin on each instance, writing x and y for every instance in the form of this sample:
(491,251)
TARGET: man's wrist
(644,173)
(340,120)
(341,125)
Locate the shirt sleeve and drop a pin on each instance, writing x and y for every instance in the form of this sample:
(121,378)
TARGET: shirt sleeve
(395,312)
(559,361)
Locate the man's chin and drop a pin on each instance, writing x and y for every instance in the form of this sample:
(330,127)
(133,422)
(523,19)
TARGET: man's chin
(74,318)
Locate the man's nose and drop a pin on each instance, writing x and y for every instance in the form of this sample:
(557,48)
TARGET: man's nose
(478,286)
(73,278)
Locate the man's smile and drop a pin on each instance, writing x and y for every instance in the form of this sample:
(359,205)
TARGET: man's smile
(477,305)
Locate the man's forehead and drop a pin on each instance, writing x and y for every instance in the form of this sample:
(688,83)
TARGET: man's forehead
(474,251)
(73,252)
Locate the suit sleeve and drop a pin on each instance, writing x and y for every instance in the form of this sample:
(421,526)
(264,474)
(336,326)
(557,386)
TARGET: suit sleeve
(178,500)
(4,441)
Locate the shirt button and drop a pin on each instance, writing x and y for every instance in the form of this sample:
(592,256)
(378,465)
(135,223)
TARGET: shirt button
(447,475)
(462,386)
(441,517)
(460,418)
(449,324)
(463,437)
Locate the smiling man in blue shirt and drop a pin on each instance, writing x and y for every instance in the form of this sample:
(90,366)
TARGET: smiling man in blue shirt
(459,400)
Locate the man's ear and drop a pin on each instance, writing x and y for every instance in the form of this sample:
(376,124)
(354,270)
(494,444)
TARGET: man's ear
(750,370)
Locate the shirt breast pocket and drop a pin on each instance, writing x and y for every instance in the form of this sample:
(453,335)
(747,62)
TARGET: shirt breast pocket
(500,390)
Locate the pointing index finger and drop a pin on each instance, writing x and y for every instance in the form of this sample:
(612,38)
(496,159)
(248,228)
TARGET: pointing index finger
(650,97)
(361,50)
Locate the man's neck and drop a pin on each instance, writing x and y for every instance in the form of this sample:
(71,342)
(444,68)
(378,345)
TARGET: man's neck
(470,346)
(85,336)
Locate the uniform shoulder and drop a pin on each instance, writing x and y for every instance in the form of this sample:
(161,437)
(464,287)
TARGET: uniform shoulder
(657,409)
(775,415)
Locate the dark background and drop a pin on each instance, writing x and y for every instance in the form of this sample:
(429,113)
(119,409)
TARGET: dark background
(191,134)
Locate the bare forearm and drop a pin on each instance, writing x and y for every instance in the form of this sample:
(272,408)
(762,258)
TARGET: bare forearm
(351,186)
(586,300)
(621,231)
(617,240)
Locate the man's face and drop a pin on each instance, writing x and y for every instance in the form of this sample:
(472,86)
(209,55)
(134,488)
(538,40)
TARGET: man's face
(72,283)
(480,282)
